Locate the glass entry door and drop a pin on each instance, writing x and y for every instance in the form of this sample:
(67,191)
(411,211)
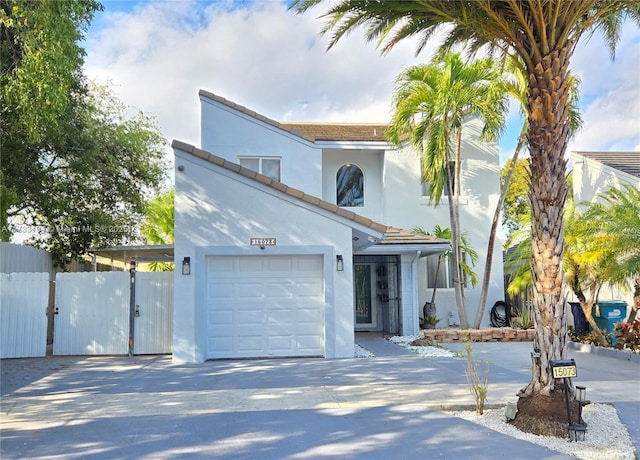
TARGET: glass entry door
(365,309)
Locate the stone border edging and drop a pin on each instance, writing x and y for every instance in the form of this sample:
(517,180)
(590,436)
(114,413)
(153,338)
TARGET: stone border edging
(494,334)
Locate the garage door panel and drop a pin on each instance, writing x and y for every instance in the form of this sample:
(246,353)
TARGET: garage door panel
(260,306)
(250,290)
(251,318)
(308,343)
(308,315)
(222,344)
(217,290)
(250,343)
(220,317)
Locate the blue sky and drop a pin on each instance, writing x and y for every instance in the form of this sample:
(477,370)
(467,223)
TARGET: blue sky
(157,54)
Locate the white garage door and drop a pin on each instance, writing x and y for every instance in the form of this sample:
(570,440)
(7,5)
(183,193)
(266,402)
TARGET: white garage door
(263,306)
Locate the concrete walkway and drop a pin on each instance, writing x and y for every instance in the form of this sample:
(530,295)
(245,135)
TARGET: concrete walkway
(148,407)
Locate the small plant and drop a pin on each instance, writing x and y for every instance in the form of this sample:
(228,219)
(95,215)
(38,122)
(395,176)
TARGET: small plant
(429,322)
(628,335)
(477,376)
(589,337)
(522,318)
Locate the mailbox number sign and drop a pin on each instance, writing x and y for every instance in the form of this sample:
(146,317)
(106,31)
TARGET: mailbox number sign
(564,369)
(564,372)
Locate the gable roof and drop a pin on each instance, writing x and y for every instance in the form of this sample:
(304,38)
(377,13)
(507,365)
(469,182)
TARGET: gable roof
(392,235)
(313,132)
(627,162)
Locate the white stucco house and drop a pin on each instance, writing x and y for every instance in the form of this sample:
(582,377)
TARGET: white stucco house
(293,236)
(593,174)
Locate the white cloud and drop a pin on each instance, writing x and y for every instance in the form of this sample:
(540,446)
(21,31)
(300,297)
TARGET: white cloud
(610,93)
(158,55)
(264,57)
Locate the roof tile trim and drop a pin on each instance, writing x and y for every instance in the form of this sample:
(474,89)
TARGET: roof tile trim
(251,113)
(313,132)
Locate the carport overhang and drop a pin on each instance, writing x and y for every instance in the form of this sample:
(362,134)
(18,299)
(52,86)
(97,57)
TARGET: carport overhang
(142,253)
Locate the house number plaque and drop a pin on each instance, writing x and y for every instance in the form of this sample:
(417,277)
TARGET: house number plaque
(262,242)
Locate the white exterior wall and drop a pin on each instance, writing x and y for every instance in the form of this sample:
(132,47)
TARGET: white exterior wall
(405,207)
(393,193)
(217,212)
(592,178)
(228,133)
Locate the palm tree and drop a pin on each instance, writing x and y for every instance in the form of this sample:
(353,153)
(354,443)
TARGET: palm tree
(432,102)
(615,221)
(516,87)
(465,247)
(541,35)
(157,227)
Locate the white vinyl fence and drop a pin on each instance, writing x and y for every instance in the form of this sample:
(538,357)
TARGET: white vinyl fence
(23,314)
(92,313)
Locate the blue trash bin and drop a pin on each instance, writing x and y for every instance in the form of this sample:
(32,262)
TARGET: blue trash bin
(611,312)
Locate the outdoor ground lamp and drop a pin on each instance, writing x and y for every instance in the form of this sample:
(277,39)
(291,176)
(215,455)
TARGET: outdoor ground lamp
(186,266)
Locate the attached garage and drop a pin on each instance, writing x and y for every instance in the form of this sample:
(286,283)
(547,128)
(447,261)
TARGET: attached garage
(265,306)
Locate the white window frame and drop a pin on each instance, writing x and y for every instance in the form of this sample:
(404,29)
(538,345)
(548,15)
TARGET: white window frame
(260,160)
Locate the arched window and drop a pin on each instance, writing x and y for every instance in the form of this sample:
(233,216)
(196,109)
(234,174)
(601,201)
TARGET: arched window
(350,186)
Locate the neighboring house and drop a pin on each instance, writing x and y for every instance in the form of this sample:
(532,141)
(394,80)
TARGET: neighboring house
(593,174)
(295,269)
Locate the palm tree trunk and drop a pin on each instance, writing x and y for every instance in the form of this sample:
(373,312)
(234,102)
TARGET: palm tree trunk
(548,135)
(587,309)
(492,236)
(454,214)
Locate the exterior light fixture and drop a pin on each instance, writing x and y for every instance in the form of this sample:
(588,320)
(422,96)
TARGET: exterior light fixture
(339,263)
(186,266)
(576,433)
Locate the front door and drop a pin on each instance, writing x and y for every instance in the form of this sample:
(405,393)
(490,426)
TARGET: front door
(366,311)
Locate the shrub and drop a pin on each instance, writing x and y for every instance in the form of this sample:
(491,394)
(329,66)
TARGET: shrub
(628,335)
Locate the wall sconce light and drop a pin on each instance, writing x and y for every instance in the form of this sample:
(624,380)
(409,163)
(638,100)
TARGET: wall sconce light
(339,263)
(186,266)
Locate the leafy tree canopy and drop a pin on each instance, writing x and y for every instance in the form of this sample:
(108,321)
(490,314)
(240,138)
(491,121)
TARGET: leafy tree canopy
(75,169)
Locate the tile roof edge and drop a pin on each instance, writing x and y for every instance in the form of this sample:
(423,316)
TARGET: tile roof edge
(253,114)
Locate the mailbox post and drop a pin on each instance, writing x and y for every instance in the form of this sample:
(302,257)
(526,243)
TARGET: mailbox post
(566,369)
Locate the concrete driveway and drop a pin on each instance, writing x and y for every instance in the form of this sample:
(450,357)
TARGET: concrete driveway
(148,407)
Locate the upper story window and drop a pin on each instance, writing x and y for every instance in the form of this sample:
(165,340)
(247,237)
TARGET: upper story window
(350,186)
(268,166)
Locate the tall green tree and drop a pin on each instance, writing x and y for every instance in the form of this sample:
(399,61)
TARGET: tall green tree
(516,207)
(432,103)
(542,36)
(615,223)
(158,225)
(76,170)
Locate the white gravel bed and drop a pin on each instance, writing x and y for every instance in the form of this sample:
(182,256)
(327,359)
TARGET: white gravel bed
(433,352)
(359,352)
(606,437)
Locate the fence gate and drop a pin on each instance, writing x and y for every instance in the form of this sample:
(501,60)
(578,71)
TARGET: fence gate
(23,314)
(96,313)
